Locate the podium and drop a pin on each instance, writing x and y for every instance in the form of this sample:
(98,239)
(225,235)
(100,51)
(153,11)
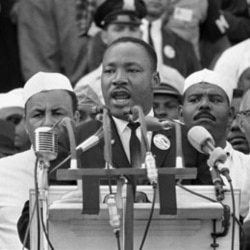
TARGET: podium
(189,228)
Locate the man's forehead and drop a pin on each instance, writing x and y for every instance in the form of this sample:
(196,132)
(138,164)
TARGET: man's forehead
(205,89)
(50,97)
(114,50)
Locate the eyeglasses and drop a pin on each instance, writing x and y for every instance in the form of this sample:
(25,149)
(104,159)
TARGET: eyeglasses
(245,113)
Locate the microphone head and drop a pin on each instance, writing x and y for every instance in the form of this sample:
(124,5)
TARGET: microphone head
(45,143)
(200,138)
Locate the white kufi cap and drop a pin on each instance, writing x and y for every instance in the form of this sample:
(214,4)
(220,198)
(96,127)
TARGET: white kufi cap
(13,98)
(209,76)
(45,81)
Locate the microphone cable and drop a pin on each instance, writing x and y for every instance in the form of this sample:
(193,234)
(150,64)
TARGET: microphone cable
(233,210)
(45,231)
(150,218)
(72,142)
(150,166)
(37,205)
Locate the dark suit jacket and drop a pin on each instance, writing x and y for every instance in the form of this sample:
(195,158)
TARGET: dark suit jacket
(185,59)
(94,158)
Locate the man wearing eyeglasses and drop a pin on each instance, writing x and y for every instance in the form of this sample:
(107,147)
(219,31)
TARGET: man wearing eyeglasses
(244,123)
(244,115)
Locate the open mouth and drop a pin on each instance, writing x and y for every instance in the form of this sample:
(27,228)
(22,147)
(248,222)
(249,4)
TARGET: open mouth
(204,116)
(120,97)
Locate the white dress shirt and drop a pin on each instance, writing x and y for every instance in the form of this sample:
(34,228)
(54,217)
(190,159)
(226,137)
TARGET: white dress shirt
(239,167)
(16,179)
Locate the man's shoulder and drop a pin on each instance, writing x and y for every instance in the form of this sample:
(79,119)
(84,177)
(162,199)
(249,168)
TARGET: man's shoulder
(22,155)
(89,78)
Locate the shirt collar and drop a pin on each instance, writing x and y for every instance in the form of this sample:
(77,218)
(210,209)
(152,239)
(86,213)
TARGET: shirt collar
(121,125)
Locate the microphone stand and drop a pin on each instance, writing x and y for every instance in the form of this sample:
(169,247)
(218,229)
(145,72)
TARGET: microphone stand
(42,203)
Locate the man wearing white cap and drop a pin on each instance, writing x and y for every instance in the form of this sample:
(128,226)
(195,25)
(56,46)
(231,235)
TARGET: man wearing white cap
(48,98)
(12,109)
(207,98)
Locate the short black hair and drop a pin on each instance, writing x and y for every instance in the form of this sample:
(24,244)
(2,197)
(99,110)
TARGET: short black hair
(148,48)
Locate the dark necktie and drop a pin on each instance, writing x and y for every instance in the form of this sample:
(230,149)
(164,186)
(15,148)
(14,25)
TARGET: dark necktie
(134,146)
(150,40)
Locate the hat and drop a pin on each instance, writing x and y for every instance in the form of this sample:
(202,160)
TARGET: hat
(172,78)
(44,81)
(164,88)
(209,76)
(13,98)
(110,10)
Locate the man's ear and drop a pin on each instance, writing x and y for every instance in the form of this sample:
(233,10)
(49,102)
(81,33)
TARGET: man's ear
(25,123)
(241,124)
(156,79)
(104,36)
(231,115)
(77,117)
(180,112)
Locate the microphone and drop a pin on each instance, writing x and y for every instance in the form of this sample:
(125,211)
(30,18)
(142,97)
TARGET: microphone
(202,140)
(90,142)
(45,144)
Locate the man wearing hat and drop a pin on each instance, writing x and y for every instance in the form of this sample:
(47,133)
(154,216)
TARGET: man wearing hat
(12,109)
(116,18)
(48,98)
(167,95)
(207,99)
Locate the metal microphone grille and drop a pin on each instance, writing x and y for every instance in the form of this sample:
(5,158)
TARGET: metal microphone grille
(45,143)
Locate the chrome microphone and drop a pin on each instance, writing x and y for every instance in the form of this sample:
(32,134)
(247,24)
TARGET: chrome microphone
(45,143)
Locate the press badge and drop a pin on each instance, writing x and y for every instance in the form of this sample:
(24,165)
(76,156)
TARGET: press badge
(161,141)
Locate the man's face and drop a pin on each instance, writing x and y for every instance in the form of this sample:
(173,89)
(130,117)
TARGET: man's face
(116,30)
(127,78)
(46,109)
(244,81)
(155,8)
(207,105)
(166,106)
(15,115)
(235,136)
(244,119)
